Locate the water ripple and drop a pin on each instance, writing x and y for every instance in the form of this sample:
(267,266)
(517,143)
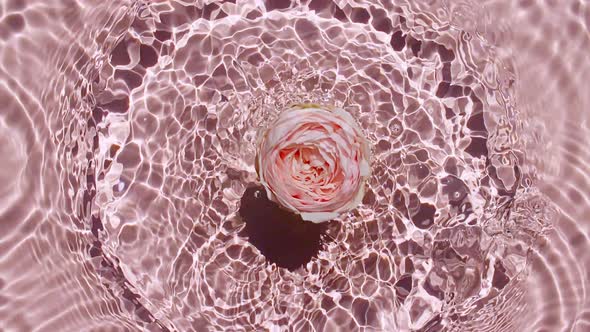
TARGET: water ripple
(129,134)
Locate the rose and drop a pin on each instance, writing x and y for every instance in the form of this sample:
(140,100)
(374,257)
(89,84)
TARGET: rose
(314,161)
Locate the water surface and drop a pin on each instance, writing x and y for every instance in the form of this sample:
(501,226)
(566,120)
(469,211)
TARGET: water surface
(129,196)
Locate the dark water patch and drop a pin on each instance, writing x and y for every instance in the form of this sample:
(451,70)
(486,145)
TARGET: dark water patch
(15,22)
(414,44)
(403,287)
(478,147)
(446,55)
(443,88)
(120,55)
(424,218)
(281,236)
(360,15)
(476,122)
(277,4)
(148,56)
(398,41)
(380,20)
(163,35)
(500,278)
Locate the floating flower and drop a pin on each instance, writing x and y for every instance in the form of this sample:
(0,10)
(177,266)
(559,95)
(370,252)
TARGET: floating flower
(314,161)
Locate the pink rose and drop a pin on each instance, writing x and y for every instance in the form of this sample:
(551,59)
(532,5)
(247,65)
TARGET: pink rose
(314,161)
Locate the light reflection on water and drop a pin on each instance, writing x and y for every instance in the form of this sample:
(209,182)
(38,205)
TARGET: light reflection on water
(128,137)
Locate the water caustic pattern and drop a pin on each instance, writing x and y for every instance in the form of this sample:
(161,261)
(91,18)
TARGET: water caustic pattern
(130,199)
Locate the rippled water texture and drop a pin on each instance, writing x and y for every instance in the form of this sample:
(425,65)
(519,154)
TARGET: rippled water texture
(130,200)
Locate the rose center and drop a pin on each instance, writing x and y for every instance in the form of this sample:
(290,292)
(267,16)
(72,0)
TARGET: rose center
(307,166)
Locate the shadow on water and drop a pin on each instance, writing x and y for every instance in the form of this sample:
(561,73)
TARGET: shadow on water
(281,236)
